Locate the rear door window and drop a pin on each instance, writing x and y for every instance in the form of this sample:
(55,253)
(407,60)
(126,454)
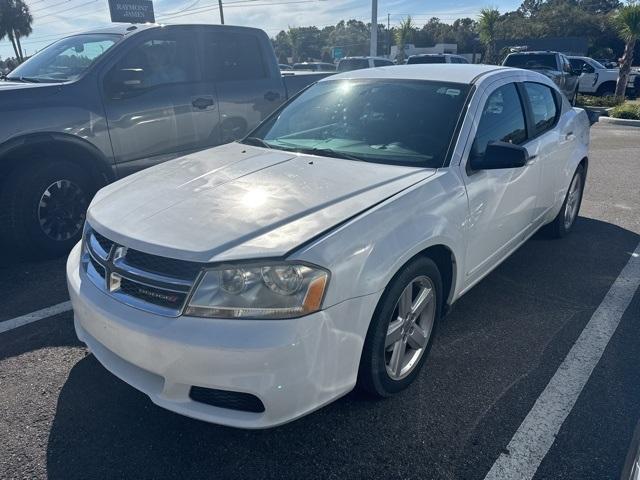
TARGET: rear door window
(528,61)
(382,63)
(543,106)
(502,120)
(353,64)
(232,56)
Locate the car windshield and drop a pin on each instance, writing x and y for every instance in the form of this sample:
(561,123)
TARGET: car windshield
(545,61)
(64,60)
(426,59)
(408,122)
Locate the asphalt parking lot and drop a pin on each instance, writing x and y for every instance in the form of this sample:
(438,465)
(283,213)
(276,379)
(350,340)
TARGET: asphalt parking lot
(64,416)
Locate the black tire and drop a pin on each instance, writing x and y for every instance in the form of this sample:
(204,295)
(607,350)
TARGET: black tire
(25,220)
(558,227)
(373,377)
(606,91)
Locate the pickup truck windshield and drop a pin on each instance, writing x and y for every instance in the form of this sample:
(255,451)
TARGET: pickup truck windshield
(407,122)
(65,59)
(545,61)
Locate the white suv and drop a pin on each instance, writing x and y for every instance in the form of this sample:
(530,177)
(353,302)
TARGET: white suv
(255,282)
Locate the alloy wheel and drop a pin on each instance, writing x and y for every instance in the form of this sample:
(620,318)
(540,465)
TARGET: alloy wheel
(62,209)
(410,327)
(573,201)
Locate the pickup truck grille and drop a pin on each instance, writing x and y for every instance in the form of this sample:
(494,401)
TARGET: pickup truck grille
(148,282)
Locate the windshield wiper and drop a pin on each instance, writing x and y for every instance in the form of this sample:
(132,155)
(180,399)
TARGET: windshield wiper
(256,142)
(328,152)
(23,79)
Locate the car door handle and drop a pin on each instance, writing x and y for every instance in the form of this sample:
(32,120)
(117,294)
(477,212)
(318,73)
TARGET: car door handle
(569,136)
(532,159)
(202,102)
(271,96)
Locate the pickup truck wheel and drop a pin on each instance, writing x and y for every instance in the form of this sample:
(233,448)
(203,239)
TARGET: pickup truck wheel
(402,329)
(606,90)
(566,218)
(44,207)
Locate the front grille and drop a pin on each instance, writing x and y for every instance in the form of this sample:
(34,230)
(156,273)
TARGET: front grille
(105,243)
(164,266)
(148,282)
(225,399)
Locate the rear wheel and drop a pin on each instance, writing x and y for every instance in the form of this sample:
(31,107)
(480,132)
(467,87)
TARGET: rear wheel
(564,221)
(44,207)
(402,329)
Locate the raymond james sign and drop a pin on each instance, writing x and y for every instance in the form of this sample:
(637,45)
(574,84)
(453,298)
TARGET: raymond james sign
(131,11)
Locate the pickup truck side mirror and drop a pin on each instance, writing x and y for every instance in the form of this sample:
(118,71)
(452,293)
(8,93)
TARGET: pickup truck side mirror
(500,155)
(125,80)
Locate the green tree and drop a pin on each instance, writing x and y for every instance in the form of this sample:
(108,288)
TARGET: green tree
(627,21)
(352,36)
(403,34)
(488,21)
(15,22)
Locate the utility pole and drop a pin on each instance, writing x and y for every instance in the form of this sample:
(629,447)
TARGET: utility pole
(389,34)
(373,51)
(221,12)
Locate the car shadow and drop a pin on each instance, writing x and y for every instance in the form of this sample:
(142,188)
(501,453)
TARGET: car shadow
(491,358)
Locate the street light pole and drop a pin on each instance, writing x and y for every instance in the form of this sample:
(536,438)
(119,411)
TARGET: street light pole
(373,51)
(221,12)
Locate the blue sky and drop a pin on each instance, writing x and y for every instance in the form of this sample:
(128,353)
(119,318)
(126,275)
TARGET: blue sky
(56,18)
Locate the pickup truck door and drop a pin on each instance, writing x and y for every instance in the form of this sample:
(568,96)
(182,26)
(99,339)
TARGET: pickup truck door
(241,67)
(501,201)
(157,105)
(587,80)
(570,79)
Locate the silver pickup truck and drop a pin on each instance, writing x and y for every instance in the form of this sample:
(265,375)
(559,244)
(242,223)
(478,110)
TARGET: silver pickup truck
(98,106)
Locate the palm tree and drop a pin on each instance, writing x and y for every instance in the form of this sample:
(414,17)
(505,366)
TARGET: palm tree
(402,34)
(627,22)
(15,22)
(487,28)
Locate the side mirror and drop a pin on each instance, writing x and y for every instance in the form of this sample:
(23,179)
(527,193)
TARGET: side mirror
(500,155)
(125,80)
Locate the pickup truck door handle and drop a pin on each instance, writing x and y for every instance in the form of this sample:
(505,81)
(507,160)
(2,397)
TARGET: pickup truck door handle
(532,159)
(202,102)
(569,136)
(271,96)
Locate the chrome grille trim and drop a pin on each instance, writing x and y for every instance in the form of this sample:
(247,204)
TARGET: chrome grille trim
(131,285)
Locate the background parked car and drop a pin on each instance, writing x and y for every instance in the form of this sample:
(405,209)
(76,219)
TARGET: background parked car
(436,58)
(596,79)
(98,106)
(356,63)
(315,66)
(285,67)
(554,65)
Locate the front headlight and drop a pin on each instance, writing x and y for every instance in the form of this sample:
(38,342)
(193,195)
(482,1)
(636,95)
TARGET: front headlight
(267,290)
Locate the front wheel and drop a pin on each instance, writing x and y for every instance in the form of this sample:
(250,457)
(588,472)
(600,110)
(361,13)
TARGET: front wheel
(44,207)
(564,221)
(402,329)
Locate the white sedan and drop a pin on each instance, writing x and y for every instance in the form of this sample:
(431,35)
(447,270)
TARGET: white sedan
(255,282)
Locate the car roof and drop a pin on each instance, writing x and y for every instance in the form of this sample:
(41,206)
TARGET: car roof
(361,57)
(535,52)
(456,73)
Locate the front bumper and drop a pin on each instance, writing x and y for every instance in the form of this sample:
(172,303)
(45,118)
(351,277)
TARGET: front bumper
(293,366)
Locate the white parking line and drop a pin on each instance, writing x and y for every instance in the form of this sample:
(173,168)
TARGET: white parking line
(537,432)
(16,322)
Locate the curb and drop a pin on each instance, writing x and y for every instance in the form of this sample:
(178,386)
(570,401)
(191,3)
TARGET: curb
(620,121)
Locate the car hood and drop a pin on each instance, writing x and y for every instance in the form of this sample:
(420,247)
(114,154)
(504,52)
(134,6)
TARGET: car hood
(241,202)
(9,85)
